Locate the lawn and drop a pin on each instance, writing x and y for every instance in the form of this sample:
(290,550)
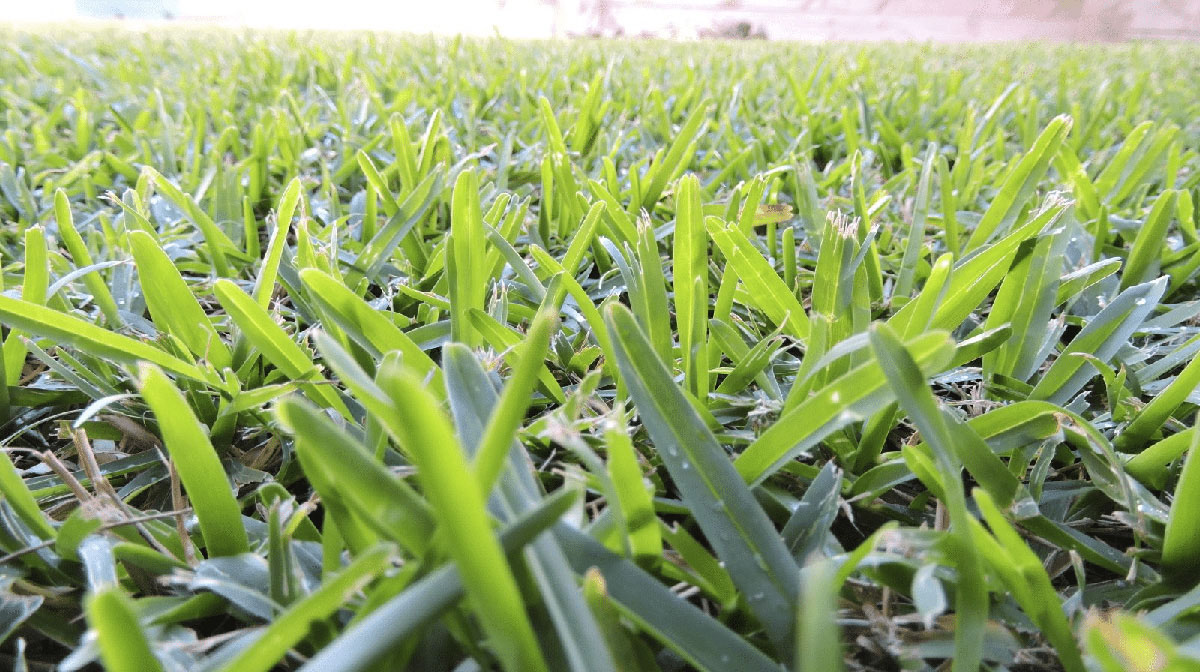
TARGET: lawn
(359,352)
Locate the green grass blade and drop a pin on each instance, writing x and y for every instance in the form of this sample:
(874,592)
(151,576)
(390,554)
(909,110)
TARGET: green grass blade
(916,231)
(216,241)
(289,628)
(1040,601)
(916,399)
(818,645)
(1102,337)
(764,285)
(199,468)
(18,496)
(697,637)
(121,638)
(506,418)
(83,258)
(369,327)
(848,399)
(353,479)
(274,343)
(172,304)
(1181,540)
(369,639)
(1020,184)
(633,500)
(465,266)
(264,284)
(458,506)
(732,520)
(1147,249)
(677,156)
(84,336)
(690,279)
(1155,414)
(476,405)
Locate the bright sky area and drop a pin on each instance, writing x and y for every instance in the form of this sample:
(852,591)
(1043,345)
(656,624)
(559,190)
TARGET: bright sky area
(519,18)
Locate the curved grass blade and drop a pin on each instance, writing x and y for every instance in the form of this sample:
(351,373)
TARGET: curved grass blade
(1155,414)
(1027,579)
(366,325)
(71,331)
(916,399)
(289,628)
(726,511)
(122,641)
(848,399)
(1102,337)
(368,640)
(172,305)
(274,343)
(18,496)
(200,469)
(458,506)
(697,637)
(352,478)
(1181,540)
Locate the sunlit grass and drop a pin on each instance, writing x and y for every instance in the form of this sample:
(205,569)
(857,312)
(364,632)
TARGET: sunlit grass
(344,352)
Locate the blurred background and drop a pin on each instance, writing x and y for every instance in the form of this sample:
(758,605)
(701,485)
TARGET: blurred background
(919,20)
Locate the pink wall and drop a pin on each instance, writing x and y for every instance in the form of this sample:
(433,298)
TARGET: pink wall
(920,20)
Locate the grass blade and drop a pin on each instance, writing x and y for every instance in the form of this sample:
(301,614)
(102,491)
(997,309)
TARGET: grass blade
(458,506)
(122,641)
(732,520)
(199,467)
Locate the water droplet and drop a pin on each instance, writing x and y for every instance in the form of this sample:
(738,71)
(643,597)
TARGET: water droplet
(685,465)
(672,451)
(757,596)
(835,396)
(1140,302)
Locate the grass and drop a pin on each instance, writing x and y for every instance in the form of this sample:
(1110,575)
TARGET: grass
(352,352)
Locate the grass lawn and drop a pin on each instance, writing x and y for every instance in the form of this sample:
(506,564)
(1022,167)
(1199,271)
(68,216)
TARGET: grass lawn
(355,352)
